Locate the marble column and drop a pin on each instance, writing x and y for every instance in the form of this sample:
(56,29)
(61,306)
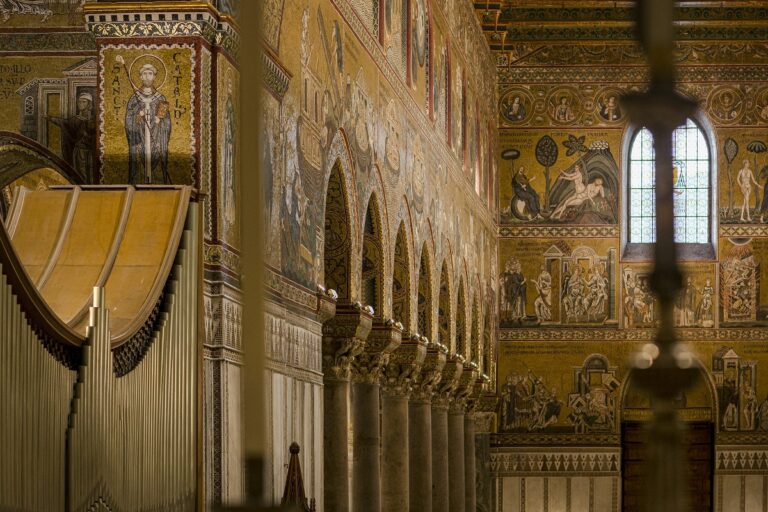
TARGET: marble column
(456,475)
(440,444)
(420,428)
(404,364)
(344,338)
(457,472)
(469,462)
(367,371)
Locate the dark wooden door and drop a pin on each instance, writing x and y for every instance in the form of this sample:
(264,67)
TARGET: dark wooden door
(699,445)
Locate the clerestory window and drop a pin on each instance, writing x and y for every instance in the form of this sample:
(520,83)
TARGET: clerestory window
(692,169)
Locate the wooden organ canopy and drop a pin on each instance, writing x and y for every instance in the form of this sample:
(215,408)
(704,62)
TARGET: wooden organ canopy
(100,356)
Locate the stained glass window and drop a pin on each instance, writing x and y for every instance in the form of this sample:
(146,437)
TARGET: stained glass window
(691,168)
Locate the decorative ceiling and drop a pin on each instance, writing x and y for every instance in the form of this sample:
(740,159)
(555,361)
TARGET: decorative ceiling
(516,27)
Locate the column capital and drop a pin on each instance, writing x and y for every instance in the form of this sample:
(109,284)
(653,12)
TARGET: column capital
(431,371)
(477,389)
(449,380)
(384,338)
(403,366)
(464,388)
(344,337)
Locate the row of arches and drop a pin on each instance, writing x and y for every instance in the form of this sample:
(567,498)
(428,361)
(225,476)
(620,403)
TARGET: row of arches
(360,265)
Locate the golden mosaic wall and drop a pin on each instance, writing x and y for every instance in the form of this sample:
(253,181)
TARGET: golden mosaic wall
(412,130)
(564,139)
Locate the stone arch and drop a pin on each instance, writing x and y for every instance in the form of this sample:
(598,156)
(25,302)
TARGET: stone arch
(20,155)
(461,338)
(26,162)
(372,262)
(339,185)
(338,242)
(444,312)
(475,330)
(401,279)
(486,360)
(375,188)
(703,122)
(424,301)
(635,405)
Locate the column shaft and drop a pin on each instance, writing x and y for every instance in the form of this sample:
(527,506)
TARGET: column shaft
(366,475)
(469,463)
(336,445)
(439,458)
(394,457)
(456,473)
(420,455)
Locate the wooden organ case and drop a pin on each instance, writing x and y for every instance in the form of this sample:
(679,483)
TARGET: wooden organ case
(101,351)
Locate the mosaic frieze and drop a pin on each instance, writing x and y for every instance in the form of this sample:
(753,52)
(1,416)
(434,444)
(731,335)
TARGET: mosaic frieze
(743,176)
(46,13)
(694,306)
(592,390)
(51,100)
(147,114)
(559,177)
(742,272)
(558,282)
(588,104)
(227,152)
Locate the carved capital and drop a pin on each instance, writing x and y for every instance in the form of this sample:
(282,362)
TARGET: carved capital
(404,366)
(449,380)
(384,338)
(424,383)
(464,388)
(344,338)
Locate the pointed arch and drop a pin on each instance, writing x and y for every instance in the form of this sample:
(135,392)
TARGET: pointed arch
(474,347)
(21,155)
(401,279)
(444,320)
(372,263)
(704,388)
(337,248)
(424,310)
(462,343)
(486,359)
(340,199)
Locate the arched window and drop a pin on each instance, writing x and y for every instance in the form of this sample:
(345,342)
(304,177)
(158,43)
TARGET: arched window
(692,168)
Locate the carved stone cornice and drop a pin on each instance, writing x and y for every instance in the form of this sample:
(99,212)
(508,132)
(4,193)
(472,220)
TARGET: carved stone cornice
(404,366)
(344,338)
(446,387)
(384,338)
(326,304)
(465,388)
(431,373)
(275,77)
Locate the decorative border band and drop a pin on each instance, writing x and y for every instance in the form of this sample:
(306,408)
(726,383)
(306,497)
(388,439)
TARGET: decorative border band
(559,231)
(548,461)
(607,334)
